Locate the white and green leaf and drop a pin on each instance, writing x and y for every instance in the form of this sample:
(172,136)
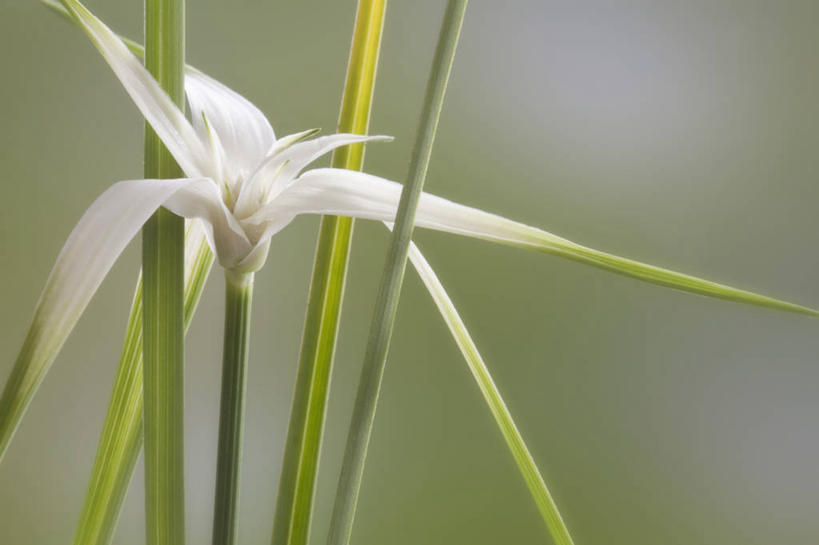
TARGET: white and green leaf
(121,438)
(153,102)
(88,254)
(360,195)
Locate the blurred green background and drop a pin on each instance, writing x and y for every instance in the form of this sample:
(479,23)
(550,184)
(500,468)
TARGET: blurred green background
(680,133)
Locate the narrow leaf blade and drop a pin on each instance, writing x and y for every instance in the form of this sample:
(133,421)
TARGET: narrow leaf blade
(360,195)
(121,438)
(90,251)
(503,418)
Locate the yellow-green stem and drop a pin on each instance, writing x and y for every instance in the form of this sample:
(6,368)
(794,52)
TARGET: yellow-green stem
(294,505)
(355,454)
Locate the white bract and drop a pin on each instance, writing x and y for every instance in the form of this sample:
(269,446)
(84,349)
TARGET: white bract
(243,186)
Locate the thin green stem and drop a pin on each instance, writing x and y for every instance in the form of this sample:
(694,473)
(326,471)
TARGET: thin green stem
(163,297)
(352,468)
(291,525)
(238,297)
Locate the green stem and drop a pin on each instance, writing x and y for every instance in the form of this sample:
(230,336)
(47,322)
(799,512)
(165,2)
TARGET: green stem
(375,358)
(238,296)
(291,525)
(163,297)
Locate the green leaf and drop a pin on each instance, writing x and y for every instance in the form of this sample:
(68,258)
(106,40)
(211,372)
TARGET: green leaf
(536,239)
(121,439)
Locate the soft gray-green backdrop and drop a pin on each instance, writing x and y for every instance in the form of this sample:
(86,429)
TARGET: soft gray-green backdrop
(681,133)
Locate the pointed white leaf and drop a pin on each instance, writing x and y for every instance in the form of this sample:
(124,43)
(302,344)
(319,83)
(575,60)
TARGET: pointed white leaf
(93,246)
(201,199)
(282,166)
(236,123)
(217,152)
(96,242)
(348,193)
(288,140)
(156,106)
(303,153)
(243,130)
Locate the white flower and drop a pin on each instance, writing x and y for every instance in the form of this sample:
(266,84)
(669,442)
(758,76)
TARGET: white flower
(245,186)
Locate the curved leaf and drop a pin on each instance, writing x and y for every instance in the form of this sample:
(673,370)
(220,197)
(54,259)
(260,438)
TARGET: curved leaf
(360,195)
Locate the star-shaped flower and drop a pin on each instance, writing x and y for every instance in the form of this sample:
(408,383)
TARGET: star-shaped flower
(243,186)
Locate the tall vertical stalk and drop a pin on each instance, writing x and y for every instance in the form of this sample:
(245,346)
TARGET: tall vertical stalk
(163,297)
(238,296)
(375,358)
(291,524)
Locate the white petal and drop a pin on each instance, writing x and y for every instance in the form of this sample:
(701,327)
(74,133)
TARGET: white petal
(288,140)
(93,246)
(248,187)
(282,166)
(201,199)
(254,259)
(156,106)
(302,154)
(349,193)
(243,130)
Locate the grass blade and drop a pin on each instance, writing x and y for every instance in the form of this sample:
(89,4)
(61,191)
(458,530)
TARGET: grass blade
(121,438)
(352,468)
(503,418)
(294,505)
(120,442)
(163,297)
(53,321)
